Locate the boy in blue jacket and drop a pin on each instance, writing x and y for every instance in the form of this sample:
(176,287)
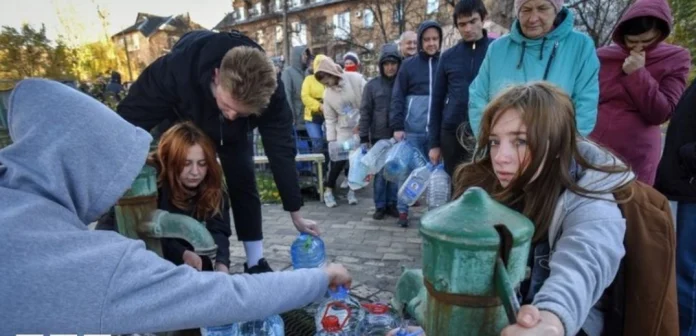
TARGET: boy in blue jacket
(410,104)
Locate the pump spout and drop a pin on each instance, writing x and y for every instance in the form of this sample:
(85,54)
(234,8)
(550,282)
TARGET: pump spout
(163,224)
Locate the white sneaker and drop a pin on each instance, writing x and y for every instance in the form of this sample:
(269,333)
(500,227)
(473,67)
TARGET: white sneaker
(352,200)
(329,199)
(344,184)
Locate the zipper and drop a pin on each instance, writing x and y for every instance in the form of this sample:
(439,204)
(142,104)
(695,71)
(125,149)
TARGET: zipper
(430,93)
(408,110)
(222,120)
(473,53)
(553,55)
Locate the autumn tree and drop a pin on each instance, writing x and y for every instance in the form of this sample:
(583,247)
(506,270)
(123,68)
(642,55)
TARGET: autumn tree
(27,52)
(90,59)
(684,32)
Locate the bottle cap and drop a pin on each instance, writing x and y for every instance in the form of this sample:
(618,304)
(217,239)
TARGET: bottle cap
(330,323)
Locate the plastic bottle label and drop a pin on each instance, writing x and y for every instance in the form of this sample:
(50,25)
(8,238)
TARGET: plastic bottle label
(413,189)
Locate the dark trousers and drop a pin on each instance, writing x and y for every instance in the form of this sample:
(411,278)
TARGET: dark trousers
(335,171)
(453,153)
(238,167)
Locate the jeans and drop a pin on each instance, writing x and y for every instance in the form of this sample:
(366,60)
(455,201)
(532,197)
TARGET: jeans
(316,136)
(420,142)
(686,267)
(384,192)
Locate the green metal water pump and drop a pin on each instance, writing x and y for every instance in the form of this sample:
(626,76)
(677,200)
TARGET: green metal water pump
(474,253)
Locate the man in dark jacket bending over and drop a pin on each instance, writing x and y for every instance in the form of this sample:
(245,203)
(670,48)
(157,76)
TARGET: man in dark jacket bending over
(227,86)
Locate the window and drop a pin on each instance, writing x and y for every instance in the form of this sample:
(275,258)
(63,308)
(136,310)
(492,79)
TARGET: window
(368,18)
(299,34)
(241,13)
(279,33)
(278,7)
(398,13)
(296,3)
(258,8)
(259,37)
(432,7)
(341,23)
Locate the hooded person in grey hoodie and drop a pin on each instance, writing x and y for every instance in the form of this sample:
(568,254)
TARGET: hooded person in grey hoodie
(293,76)
(71,159)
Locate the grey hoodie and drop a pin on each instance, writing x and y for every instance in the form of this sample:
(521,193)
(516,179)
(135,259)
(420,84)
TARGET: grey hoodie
(586,239)
(293,76)
(71,160)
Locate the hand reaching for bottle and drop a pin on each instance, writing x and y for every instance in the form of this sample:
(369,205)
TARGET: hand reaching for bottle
(338,276)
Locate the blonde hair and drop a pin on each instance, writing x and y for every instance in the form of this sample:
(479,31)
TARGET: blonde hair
(249,76)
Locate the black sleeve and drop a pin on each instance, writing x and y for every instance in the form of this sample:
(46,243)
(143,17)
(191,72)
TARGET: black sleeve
(221,230)
(152,97)
(276,128)
(173,250)
(367,109)
(437,104)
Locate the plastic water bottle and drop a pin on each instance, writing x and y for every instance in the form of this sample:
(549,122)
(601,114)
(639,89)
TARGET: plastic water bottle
(339,309)
(418,159)
(271,326)
(307,251)
(398,164)
(415,185)
(378,321)
(357,175)
(439,188)
(376,157)
(339,151)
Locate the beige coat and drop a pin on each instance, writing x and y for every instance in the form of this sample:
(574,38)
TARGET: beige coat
(341,102)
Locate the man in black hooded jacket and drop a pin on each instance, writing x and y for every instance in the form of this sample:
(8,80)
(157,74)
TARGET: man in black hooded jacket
(227,86)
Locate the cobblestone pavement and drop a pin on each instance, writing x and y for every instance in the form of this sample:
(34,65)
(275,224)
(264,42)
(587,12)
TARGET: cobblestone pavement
(373,251)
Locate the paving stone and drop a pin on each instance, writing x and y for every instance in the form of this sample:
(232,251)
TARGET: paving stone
(374,251)
(364,292)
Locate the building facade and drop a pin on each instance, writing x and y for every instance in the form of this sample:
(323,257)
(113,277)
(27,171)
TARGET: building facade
(331,27)
(152,36)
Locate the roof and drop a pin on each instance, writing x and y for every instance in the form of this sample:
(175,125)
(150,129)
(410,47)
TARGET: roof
(148,24)
(226,22)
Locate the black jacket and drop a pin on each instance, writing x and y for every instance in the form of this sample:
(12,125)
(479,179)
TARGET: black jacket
(457,69)
(219,227)
(676,174)
(374,109)
(177,86)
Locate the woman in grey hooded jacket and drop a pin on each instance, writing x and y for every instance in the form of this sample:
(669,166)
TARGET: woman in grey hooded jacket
(530,158)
